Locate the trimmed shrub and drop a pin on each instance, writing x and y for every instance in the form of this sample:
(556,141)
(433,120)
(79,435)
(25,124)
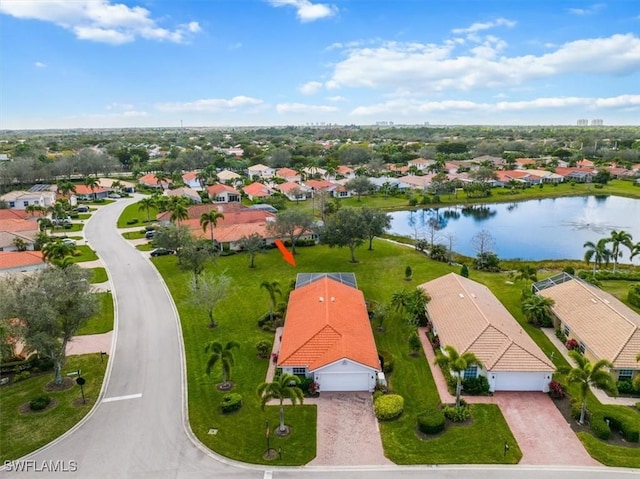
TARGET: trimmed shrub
(377,394)
(39,403)
(231,402)
(431,421)
(21,376)
(388,407)
(634,295)
(556,390)
(476,386)
(569,270)
(387,361)
(132,221)
(630,429)
(600,428)
(263,348)
(625,387)
(572,344)
(457,413)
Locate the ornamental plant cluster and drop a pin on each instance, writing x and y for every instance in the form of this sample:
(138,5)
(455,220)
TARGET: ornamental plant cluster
(388,407)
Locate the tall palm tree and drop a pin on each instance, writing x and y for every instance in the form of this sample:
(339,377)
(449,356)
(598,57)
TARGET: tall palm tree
(273,288)
(146,204)
(537,308)
(161,177)
(91,183)
(210,220)
(66,187)
(450,358)
(284,387)
(45,223)
(223,355)
(598,251)
(203,179)
(635,251)
(178,210)
(616,239)
(586,374)
(57,253)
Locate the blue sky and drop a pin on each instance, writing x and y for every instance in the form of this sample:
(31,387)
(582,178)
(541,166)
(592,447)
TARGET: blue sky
(148,63)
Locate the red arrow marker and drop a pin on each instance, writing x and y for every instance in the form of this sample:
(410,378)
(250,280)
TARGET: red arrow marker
(286,254)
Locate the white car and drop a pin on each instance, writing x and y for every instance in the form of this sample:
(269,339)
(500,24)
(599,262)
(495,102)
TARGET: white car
(68,241)
(114,195)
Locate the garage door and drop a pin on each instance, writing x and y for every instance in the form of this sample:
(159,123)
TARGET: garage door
(343,381)
(515,381)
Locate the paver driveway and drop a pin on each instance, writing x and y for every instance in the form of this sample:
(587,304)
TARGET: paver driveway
(347,431)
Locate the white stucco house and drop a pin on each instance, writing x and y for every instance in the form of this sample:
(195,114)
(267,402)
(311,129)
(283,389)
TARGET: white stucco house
(327,334)
(466,315)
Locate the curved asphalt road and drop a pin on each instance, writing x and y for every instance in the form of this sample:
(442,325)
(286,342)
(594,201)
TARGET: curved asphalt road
(138,430)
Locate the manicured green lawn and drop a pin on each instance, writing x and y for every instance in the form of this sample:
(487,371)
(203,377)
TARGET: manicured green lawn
(84,216)
(145,247)
(132,212)
(102,322)
(620,289)
(84,253)
(24,433)
(379,274)
(608,455)
(99,275)
(134,234)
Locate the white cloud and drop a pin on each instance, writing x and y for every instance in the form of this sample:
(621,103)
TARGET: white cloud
(120,106)
(595,8)
(99,20)
(477,27)
(211,104)
(303,108)
(408,106)
(39,65)
(311,88)
(433,67)
(307,11)
(336,99)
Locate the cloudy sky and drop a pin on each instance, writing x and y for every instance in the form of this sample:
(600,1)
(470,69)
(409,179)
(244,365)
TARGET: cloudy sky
(137,63)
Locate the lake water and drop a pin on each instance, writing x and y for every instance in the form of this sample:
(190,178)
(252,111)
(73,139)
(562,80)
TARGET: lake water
(554,228)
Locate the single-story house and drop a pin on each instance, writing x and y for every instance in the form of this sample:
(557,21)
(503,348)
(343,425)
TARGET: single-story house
(314,172)
(421,164)
(327,336)
(14,228)
(346,171)
(505,177)
(466,315)
(185,192)
(83,192)
(150,181)
(603,326)
(21,261)
(494,161)
(260,171)
(257,190)
(292,191)
(581,175)
(318,185)
(190,178)
(288,174)
(220,193)
(20,199)
(228,176)
(124,186)
(546,176)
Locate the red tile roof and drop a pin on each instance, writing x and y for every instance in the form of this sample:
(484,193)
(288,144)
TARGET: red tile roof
(17,259)
(287,173)
(220,188)
(8,214)
(288,187)
(85,190)
(189,175)
(319,184)
(17,225)
(327,321)
(150,179)
(257,190)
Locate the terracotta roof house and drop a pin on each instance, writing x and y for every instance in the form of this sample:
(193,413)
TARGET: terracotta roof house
(220,193)
(546,176)
(195,211)
(524,163)
(288,174)
(415,181)
(420,163)
(292,191)
(467,316)
(346,171)
(7,214)
(318,185)
(495,161)
(257,190)
(327,336)
(13,228)
(603,326)
(149,180)
(261,171)
(185,192)
(125,186)
(504,177)
(190,178)
(20,261)
(85,193)
(228,176)
(585,163)
(581,175)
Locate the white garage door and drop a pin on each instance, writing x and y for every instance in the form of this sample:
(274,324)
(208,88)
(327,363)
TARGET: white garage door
(516,381)
(343,381)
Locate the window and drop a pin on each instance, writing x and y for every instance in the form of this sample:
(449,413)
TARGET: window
(299,371)
(582,348)
(12,204)
(566,330)
(625,375)
(470,373)
(219,199)
(25,203)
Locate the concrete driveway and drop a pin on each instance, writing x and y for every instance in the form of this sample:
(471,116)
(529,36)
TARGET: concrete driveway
(347,431)
(541,430)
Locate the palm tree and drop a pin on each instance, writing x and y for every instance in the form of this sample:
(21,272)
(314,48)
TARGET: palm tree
(20,244)
(537,308)
(598,251)
(223,355)
(210,220)
(284,387)
(635,251)
(273,288)
(66,187)
(616,239)
(457,363)
(146,204)
(587,374)
(203,179)
(57,253)
(92,184)
(527,273)
(178,210)
(45,223)
(161,177)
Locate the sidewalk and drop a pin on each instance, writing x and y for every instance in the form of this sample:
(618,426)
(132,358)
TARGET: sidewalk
(90,343)
(602,396)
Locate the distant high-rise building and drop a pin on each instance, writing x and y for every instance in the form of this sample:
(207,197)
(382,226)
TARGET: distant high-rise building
(597,122)
(583,122)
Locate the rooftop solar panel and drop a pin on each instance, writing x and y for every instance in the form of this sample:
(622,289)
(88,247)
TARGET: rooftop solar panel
(304,279)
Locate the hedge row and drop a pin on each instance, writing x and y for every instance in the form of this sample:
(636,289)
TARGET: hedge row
(610,275)
(634,295)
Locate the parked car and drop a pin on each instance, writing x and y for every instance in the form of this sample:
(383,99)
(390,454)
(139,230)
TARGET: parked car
(114,195)
(82,209)
(149,234)
(162,252)
(68,241)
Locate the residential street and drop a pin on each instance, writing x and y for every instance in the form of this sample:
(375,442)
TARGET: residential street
(138,430)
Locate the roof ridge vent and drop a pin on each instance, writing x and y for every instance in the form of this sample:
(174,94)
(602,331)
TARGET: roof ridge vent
(321,299)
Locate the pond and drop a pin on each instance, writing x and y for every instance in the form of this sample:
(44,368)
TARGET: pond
(553,228)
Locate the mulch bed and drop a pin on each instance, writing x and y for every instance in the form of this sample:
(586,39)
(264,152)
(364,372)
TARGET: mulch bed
(67,383)
(564,406)
(26,409)
(228,386)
